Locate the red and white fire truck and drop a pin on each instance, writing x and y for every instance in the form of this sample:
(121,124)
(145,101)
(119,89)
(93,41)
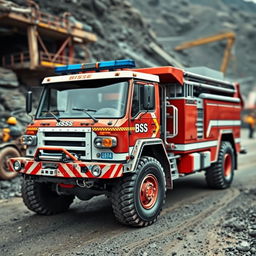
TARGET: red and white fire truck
(109,128)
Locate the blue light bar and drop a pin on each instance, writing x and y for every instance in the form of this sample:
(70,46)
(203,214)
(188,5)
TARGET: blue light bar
(104,65)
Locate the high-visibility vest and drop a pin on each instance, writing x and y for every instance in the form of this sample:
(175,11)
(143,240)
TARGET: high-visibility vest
(250,120)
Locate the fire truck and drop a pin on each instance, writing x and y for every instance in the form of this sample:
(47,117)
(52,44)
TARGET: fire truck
(110,128)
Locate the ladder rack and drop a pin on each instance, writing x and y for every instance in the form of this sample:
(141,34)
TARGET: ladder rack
(207,80)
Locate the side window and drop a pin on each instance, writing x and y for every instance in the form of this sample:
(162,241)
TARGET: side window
(138,101)
(177,90)
(135,101)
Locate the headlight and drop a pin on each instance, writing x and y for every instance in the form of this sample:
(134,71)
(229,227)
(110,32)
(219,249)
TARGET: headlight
(105,142)
(29,140)
(17,166)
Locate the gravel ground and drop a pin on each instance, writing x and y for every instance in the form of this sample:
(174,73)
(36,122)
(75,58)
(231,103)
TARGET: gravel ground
(239,225)
(10,188)
(195,221)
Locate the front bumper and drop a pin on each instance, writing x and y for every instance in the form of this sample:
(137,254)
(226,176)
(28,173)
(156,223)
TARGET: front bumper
(77,169)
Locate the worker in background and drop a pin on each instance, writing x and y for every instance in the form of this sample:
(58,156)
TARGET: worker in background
(12,131)
(251,120)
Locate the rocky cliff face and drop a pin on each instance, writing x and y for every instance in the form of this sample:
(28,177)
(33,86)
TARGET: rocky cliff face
(121,29)
(126,28)
(122,33)
(11,94)
(182,20)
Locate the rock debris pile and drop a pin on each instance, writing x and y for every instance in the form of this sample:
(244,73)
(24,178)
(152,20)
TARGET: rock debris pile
(10,188)
(11,94)
(239,227)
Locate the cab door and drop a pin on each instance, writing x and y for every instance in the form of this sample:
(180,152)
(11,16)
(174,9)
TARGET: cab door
(143,117)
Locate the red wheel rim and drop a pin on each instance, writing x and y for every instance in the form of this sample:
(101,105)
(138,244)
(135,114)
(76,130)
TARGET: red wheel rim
(149,191)
(227,165)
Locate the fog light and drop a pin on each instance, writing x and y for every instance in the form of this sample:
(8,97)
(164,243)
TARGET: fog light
(96,171)
(17,166)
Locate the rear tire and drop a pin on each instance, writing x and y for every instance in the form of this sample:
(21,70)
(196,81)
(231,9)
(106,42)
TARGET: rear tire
(138,198)
(220,175)
(5,154)
(43,199)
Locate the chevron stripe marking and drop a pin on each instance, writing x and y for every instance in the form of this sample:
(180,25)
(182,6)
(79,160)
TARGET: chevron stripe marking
(32,167)
(28,165)
(37,168)
(108,172)
(113,129)
(75,172)
(114,172)
(63,172)
(68,171)
(119,171)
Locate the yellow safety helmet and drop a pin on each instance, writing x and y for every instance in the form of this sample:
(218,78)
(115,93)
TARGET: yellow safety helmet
(11,120)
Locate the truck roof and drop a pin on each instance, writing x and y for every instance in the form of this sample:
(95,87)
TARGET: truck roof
(166,74)
(101,75)
(126,69)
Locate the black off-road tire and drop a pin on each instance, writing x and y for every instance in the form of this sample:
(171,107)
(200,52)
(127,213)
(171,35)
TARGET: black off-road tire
(220,175)
(42,199)
(128,200)
(5,154)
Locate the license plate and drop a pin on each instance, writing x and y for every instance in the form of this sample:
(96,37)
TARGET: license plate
(106,155)
(49,172)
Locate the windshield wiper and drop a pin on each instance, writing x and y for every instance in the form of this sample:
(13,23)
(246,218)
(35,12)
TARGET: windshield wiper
(49,112)
(57,119)
(86,111)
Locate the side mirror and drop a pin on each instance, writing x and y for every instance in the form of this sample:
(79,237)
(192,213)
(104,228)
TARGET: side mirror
(29,102)
(149,97)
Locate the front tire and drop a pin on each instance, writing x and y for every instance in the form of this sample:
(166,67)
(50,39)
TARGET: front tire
(138,198)
(220,175)
(5,154)
(43,199)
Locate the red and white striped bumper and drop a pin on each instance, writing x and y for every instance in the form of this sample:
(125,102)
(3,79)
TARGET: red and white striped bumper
(68,170)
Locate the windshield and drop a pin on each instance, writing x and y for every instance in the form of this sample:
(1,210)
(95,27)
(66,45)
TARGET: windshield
(74,100)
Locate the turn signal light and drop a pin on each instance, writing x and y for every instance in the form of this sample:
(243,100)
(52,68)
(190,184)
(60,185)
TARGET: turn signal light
(31,131)
(105,142)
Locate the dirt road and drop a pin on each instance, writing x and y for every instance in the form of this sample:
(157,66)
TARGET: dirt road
(193,222)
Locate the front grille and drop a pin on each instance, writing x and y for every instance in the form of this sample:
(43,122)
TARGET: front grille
(74,140)
(64,134)
(65,143)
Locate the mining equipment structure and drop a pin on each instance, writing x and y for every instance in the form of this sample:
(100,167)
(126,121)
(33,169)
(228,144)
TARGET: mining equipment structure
(229,36)
(109,128)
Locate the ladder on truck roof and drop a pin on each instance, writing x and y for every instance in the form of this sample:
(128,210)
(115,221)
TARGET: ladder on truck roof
(169,75)
(208,83)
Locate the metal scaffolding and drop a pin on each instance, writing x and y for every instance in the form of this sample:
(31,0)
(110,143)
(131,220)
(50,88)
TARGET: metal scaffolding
(64,32)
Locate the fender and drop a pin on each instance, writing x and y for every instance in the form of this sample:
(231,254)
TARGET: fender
(20,148)
(227,135)
(150,147)
(8,144)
